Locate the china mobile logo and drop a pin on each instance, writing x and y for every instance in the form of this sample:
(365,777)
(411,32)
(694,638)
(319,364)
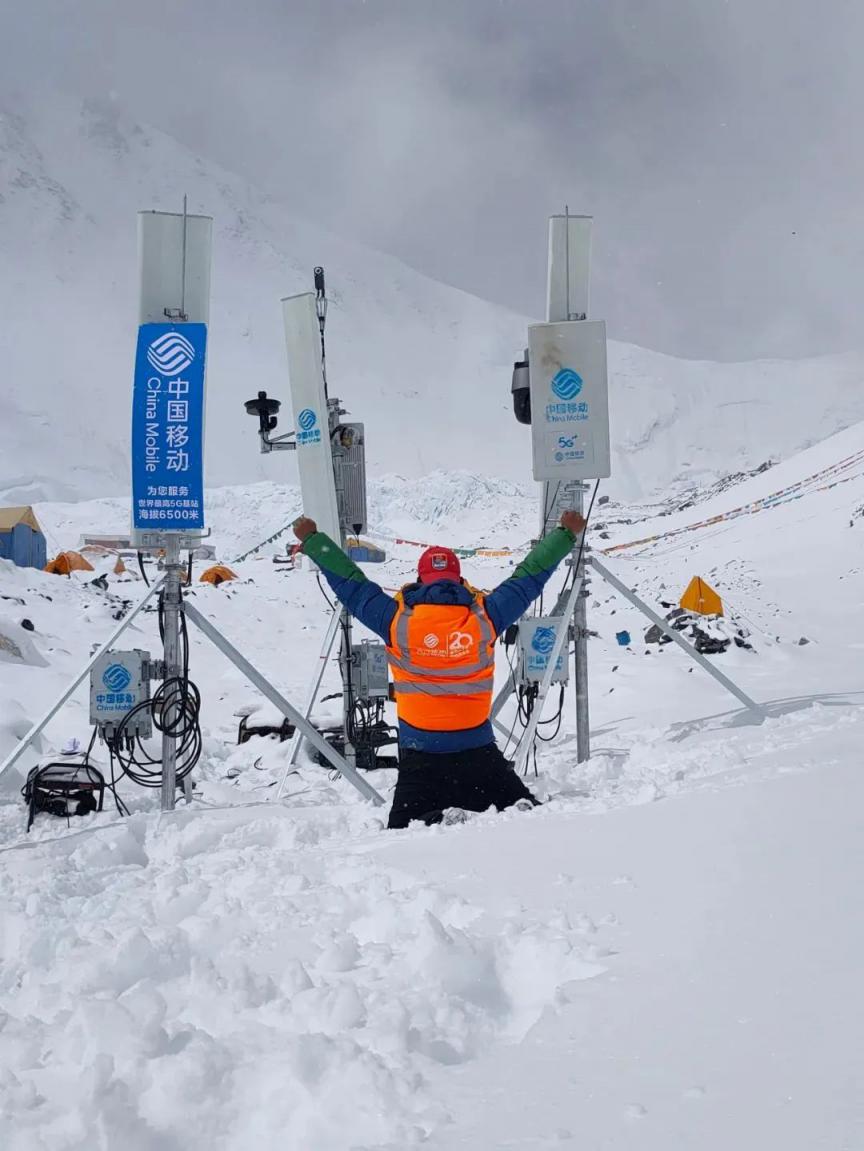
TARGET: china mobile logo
(566,384)
(431,640)
(116,677)
(544,640)
(307,419)
(170,354)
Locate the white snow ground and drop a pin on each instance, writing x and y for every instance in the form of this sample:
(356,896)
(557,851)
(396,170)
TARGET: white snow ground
(665,955)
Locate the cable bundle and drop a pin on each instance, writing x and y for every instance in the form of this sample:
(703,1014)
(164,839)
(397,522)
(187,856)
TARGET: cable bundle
(175,710)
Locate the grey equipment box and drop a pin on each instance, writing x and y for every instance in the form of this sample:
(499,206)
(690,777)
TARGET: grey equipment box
(536,640)
(369,669)
(119,681)
(350,463)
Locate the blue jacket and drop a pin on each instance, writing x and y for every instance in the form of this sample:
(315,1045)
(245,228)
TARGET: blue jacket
(376,609)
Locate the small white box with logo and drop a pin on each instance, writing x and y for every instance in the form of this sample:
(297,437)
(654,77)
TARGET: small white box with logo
(569,400)
(536,639)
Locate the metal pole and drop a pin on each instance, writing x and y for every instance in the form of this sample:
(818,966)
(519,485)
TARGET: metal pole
(557,309)
(580,655)
(677,637)
(266,688)
(560,638)
(345,662)
(172,602)
(183,315)
(37,727)
(297,738)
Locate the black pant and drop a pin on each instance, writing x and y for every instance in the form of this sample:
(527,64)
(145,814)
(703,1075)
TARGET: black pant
(474,780)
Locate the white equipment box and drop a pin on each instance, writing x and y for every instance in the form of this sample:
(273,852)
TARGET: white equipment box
(536,639)
(569,400)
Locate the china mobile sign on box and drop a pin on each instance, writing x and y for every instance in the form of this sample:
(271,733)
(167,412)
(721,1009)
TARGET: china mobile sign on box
(569,400)
(537,636)
(168,428)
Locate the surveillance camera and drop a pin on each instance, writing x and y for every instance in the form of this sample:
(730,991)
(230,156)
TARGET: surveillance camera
(521,389)
(265,408)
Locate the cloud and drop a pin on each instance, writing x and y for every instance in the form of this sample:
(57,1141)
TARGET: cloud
(716,143)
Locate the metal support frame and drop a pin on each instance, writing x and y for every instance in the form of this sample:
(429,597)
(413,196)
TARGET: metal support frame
(172,602)
(561,631)
(278,700)
(174,254)
(725,682)
(580,655)
(567,295)
(589,561)
(345,664)
(297,738)
(40,724)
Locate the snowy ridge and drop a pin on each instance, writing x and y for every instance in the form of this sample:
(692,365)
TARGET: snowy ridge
(427,367)
(845,450)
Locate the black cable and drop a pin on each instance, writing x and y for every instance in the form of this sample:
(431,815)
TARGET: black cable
(585,531)
(556,719)
(327,598)
(90,746)
(141,567)
(174,710)
(571,579)
(349,683)
(122,809)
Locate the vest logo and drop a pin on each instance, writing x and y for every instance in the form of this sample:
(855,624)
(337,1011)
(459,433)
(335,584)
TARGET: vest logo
(431,640)
(544,640)
(566,384)
(459,642)
(170,354)
(116,677)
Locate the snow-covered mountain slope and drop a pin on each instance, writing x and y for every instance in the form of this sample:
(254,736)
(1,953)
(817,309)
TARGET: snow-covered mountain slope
(426,366)
(663,955)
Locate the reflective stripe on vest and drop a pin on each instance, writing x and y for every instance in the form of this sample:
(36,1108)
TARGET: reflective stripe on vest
(475,687)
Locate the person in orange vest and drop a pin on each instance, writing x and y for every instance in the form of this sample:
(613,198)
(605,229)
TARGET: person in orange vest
(440,635)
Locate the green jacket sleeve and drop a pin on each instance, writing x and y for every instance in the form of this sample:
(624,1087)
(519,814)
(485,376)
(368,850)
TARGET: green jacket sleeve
(547,554)
(330,558)
(363,598)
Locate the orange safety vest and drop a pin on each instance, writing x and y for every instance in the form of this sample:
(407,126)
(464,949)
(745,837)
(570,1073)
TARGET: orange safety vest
(443,661)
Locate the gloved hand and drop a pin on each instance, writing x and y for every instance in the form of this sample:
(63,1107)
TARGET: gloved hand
(573,522)
(304,528)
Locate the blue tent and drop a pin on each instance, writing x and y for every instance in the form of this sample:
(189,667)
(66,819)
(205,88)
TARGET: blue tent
(362,552)
(21,538)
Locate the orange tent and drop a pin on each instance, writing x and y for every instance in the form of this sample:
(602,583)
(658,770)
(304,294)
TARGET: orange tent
(67,562)
(217,574)
(119,567)
(701,598)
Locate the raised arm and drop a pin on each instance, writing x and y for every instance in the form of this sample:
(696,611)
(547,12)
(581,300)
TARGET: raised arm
(364,599)
(511,598)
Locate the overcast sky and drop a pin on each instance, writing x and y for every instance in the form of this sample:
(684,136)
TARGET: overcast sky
(717,144)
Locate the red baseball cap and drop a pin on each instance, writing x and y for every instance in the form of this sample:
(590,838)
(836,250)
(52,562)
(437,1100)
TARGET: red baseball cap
(438,563)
